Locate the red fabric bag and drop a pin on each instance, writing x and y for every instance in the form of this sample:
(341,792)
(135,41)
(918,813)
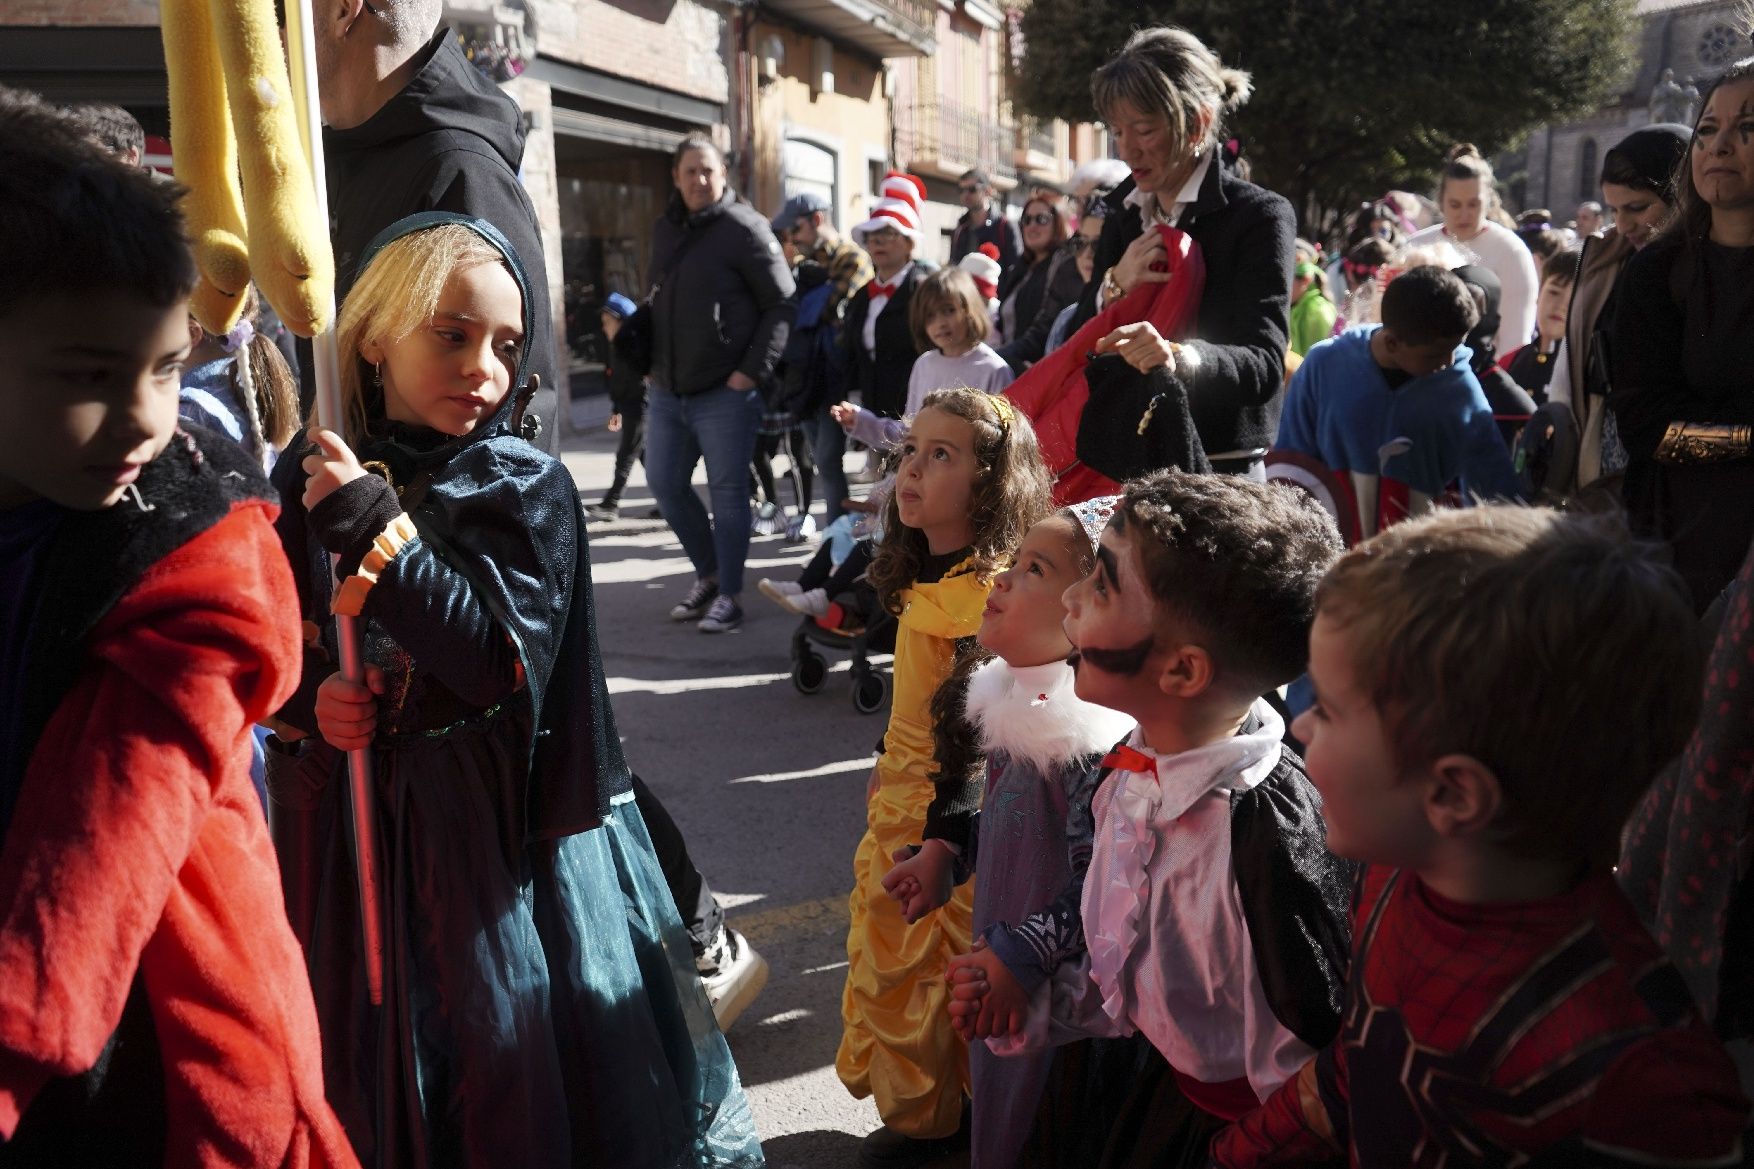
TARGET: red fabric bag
(1053,392)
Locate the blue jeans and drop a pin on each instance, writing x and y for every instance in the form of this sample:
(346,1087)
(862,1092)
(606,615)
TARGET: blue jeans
(828,445)
(719,424)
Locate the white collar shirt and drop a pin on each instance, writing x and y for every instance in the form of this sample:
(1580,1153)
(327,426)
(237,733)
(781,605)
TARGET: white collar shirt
(878,304)
(1169,946)
(1146,201)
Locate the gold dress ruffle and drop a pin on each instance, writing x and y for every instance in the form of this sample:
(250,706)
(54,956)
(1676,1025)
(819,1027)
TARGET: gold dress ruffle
(897,1044)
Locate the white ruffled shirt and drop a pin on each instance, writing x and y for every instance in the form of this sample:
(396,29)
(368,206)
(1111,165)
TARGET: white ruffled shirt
(1169,947)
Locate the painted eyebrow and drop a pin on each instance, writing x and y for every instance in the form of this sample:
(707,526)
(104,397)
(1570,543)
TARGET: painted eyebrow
(1106,560)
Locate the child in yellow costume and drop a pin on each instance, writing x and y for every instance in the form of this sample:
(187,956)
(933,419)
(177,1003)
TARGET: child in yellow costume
(969,483)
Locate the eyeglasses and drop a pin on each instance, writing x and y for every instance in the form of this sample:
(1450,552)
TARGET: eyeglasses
(1039,219)
(968,190)
(883,235)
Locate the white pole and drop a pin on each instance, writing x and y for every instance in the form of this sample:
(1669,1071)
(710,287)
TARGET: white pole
(301,47)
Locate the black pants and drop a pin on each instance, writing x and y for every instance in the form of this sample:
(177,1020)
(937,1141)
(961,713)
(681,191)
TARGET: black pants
(821,572)
(694,897)
(802,472)
(632,446)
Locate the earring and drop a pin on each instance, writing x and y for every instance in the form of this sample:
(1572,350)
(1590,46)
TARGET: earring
(378,375)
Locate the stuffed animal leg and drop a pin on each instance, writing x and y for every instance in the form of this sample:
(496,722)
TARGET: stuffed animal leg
(206,163)
(290,254)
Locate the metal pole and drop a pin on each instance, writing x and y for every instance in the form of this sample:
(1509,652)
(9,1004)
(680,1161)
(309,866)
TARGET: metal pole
(301,48)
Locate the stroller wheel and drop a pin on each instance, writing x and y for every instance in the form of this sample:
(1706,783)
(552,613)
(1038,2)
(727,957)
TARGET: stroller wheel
(870,692)
(809,672)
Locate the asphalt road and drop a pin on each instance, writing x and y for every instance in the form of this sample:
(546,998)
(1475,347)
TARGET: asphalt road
(767,785)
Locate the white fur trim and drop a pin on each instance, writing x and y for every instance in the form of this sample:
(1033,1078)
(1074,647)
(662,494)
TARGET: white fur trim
(1033,715)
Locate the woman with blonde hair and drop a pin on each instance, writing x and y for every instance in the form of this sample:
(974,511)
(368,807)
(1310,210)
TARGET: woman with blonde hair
(539,1006)
(1467,199)
(1165,96)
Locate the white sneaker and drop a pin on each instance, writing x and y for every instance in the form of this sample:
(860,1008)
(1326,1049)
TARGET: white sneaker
(733,975)
(800,529)
(780,592)
(812,604)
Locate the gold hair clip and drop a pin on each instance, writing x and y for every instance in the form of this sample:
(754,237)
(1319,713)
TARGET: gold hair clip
(1004,409)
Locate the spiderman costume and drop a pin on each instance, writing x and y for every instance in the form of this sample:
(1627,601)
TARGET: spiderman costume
(1550,1032)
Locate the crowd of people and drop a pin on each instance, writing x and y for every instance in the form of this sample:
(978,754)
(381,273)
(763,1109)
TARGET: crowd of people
(1315,734)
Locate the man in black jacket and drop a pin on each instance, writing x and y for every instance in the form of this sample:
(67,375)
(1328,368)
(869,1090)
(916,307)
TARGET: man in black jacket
(413,126)
(721,311)
(983,223)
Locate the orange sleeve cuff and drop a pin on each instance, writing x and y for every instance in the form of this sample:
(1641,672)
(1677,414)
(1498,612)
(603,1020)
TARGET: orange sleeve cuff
(350,597)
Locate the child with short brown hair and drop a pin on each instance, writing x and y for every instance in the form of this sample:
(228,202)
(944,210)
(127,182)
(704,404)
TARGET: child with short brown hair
(949,321)
(1531,366)
(1503,1003)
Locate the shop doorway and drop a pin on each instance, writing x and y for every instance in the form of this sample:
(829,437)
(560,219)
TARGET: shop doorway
(610,195)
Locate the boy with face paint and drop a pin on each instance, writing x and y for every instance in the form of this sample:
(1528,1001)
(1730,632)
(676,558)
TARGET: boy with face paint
(1214,915)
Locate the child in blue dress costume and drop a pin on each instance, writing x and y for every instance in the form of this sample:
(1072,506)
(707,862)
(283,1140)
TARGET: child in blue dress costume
(541,1005)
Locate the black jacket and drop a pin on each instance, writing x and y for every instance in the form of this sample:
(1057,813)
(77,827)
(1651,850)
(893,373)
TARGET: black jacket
(967,236)
(723,301)
(1245,234)
(1042,290)
(450,141)
(882,381)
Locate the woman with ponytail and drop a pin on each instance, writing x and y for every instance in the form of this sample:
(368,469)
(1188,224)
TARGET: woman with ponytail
(1468,199)
(1165,97)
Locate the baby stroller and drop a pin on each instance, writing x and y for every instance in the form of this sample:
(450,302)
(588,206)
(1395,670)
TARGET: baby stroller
(870,689)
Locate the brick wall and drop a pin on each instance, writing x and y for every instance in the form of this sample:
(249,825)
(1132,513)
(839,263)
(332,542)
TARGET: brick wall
(671,44)
(80,12)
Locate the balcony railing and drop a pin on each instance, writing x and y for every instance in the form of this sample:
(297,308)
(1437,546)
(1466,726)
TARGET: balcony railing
(1037,137)
(954,136)
(918,18)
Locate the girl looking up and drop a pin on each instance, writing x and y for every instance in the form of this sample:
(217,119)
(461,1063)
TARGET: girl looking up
(1043,747)
(539,1005)
(968,485)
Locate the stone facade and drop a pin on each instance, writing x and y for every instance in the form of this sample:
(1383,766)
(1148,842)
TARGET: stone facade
(1561,164)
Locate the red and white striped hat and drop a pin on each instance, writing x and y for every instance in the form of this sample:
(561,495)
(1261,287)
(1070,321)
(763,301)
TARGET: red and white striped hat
(908,188)
(901,198)
(896,213)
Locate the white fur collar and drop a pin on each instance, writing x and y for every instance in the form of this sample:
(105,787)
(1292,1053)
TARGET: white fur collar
(1033,715)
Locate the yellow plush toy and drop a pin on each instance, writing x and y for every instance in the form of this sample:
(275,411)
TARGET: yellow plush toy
(231,102)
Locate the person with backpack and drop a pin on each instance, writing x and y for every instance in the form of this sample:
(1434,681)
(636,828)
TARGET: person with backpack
(804,222)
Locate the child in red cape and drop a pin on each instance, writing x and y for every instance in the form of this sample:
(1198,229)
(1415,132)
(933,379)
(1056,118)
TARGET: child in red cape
(154,1007)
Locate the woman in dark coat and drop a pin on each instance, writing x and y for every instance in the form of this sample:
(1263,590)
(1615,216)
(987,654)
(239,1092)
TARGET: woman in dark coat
(1037,285)
(1680,371)
(1164,97)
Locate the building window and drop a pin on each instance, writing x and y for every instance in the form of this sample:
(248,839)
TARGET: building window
(807,166)
(1719,45)
(1587,177)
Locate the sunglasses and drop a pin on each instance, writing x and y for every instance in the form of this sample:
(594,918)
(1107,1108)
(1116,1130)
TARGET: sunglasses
(1039,219)
(968,190)
(1080,243)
